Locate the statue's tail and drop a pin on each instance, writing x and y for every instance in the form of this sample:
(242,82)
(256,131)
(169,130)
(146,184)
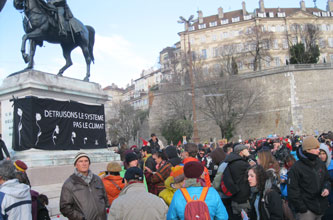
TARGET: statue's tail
(91,31)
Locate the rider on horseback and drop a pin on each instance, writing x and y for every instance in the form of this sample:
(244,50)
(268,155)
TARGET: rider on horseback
(64,15)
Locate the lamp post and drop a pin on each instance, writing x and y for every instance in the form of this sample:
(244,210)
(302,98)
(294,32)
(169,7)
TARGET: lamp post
(188,23)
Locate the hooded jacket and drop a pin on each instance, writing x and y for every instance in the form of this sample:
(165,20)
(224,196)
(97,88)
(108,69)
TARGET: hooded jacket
(306,181)
(78,200)
(15,200)
(168,192)
(172,155)
(111,189)
(134,202)
(234,177)
(328,153)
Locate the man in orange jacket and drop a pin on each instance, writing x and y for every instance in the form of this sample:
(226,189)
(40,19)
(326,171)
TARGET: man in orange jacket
(189,154)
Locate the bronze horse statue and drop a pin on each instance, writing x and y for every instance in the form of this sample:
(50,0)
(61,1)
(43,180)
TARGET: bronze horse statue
(40,23)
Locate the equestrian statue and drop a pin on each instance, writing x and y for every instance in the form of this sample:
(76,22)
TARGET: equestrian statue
(54,22)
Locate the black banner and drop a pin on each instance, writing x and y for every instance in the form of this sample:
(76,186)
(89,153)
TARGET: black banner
(57,125)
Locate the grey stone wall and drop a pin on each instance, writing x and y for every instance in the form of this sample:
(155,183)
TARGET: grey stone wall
(295,96)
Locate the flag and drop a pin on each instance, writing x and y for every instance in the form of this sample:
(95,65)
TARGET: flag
(144,142)
(179,143)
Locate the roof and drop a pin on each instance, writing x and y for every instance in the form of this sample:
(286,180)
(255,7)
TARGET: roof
(239,17)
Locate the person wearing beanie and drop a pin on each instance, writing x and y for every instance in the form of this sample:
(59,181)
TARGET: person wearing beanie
(134,202)
(113,182)
(83,194)
(190,154)
(193,172)
(131,160)
(172,183)
(235,181)
(308,182)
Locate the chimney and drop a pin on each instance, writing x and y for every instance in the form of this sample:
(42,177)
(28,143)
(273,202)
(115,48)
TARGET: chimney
(220,12)
(244,8)
(200,16)
(261,6)
(329,6)
(302,3)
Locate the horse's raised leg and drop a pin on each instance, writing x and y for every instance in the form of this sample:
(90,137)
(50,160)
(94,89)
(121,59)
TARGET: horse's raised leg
(66,51)
(32,54)
(85,51)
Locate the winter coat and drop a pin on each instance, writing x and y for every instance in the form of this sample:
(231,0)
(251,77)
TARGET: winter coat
(306,181)
(156,145)
(79,201)
(270,205)
(330,172)
(168,192)
(134,202)
(16,195)
(213,201)
(156,181)
(207,178)
(111,189)
(234,177)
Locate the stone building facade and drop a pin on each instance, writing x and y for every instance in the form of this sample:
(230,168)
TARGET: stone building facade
(234,33)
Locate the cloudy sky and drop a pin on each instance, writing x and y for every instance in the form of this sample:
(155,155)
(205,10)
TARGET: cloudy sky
(129,35)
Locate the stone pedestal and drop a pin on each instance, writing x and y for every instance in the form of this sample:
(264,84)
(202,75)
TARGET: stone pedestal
(46,85)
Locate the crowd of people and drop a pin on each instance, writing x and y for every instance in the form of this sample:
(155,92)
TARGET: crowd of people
(267,178)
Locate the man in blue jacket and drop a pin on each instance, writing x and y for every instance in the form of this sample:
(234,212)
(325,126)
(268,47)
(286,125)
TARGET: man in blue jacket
(194,184)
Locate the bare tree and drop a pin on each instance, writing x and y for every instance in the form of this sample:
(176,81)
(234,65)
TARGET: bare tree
(125,122)
(259,42)
(227,100)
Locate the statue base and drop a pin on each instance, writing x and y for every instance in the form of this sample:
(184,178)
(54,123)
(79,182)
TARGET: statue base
(46,85)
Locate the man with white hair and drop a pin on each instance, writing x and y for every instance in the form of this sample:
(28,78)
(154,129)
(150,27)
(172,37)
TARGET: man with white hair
(15,199)
(83,196)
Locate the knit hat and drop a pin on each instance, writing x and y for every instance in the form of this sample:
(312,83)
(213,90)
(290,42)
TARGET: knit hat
(309,143)
(238,148)
(79,155)
(193,169)
(134,173)
(130,157)
(113,167)
(177,173)
(20,166)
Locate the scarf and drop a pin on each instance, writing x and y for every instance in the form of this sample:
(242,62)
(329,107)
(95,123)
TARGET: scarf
(87,179)
(310,156)
(194,182)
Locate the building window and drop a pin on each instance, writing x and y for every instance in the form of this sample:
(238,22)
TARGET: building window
(201,26)
(331,57)
(247,17)
(285,44)
(268,61)
(235,19)
(271,14)
(215,51)
(225,21)
(275,44)
(203,39)
(240,65)
(213,24)
(322,43)
(261,15)
(330,42)
(225,34)
(316,13)
(324,14)
(277,61)
(281,14)
(294,41)
(204,54)
(214,37)
(191,28)
(273,29)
